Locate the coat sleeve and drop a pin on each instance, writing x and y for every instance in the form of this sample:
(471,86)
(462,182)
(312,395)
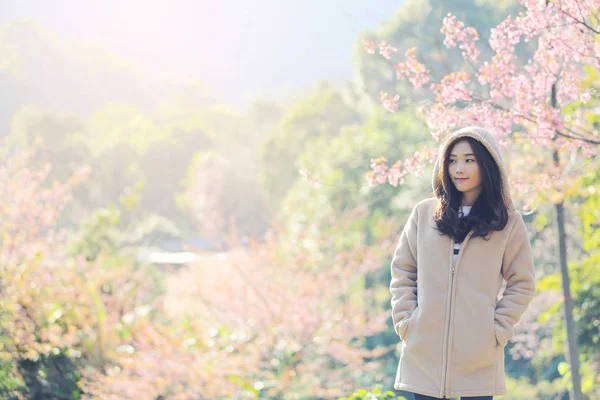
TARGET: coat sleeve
(403,285)
(518,271)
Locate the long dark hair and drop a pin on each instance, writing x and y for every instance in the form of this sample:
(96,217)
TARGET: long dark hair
(489,212)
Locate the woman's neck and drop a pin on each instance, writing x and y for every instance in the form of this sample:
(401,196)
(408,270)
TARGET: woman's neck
(468,201)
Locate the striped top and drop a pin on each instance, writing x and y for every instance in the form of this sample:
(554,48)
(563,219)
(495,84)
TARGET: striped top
(465,210)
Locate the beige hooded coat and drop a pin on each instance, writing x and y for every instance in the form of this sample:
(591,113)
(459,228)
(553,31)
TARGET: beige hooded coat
(454,324)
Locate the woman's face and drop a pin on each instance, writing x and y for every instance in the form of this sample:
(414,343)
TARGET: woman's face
(463,169)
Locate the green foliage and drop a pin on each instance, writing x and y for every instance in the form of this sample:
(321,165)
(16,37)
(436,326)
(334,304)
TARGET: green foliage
(550,282)
(588,317)
(114,124)
(586,280)
(522,389)
(98,234)
(120,230)
(51,377)
(542,220)
(141,159)
(220,195)
(585,290)
(62,135)
(321,114)
(10,383)
(417,23)
(373,394)
(340,162)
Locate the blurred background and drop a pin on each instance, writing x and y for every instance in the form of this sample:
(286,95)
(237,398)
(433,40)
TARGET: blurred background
(157,238)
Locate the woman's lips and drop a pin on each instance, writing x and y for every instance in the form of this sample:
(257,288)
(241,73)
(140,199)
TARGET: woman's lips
(461,179)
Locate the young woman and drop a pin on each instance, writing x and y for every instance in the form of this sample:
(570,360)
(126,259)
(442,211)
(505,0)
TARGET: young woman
(448,269)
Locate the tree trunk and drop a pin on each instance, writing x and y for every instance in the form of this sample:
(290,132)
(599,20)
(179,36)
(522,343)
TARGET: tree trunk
(572,354)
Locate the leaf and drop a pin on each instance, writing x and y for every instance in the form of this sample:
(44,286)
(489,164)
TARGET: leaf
(55,315)
(550,282)
(101,311)
(541,221)
(563,367)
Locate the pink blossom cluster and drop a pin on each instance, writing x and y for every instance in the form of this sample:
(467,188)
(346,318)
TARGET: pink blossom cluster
(455,31)
(585,97)
(309,176)
(416,72)
(440,119)
(443,119)
(225,325)
(369,45)
(500,71)
(385,49)
(395,175)
(511,92)
(382,173)
(389,103)
(499,75)
(452,88)
(543,129)
(505,36)
(570,87)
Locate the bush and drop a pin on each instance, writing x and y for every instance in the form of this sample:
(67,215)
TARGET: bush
(374,394)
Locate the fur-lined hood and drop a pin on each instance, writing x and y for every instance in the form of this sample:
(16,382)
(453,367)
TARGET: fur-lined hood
(489,141)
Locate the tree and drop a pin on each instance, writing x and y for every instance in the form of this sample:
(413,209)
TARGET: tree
(222,200)
(68,300)
(418,25)
(269,324)
(519,99)
(321,113)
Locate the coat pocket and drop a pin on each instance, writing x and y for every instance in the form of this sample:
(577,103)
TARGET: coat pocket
(495,332)
(405,326)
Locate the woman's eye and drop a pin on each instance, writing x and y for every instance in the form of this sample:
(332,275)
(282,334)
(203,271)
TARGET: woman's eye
(470,159)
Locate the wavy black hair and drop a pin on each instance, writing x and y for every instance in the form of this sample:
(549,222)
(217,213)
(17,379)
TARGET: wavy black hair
(489,212)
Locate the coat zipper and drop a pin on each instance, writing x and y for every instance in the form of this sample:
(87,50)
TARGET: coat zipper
(454,266)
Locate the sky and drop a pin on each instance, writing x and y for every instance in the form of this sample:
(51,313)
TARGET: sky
(241,49)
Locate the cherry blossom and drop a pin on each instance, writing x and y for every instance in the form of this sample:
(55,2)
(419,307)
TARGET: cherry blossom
(506,94)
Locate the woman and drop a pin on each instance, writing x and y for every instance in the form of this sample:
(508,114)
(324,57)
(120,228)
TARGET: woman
(447,272)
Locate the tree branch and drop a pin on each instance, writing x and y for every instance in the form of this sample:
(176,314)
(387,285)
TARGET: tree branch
(533,118)
(578,21)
